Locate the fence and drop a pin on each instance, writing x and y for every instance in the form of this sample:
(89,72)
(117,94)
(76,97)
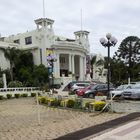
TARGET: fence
(19,90)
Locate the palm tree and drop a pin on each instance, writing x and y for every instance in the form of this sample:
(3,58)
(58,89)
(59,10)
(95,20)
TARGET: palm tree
(11,55)
(92,62)
(100,71)
(96,63)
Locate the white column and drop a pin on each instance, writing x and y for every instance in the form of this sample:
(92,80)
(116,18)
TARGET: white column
(56,67)
(73,68)
(4,80)
(81,68)
(84,66)
(70,66)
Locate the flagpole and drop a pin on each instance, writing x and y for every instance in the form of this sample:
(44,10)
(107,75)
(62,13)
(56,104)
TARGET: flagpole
(43,8)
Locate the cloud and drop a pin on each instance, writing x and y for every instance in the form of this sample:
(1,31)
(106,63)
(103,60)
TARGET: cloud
(120,17)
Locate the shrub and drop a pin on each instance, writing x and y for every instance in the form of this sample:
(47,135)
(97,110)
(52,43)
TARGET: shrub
(52,102)
(1,97)
(70,103)
(33,94)
(24,95)
(1,83)
(42,99)
(57,102)
(46,88)
(86,105)
(17,95)
(98,106)
(62,103)
(9,96)
(15,84)
(71,93)
(78,103)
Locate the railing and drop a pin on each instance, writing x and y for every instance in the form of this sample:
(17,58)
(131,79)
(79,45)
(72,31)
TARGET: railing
(20,89)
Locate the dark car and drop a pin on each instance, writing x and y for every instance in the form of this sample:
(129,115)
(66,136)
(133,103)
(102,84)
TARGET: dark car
(98,88)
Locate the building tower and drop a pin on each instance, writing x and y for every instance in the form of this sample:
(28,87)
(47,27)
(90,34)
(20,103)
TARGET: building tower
(82,38)
(45,35)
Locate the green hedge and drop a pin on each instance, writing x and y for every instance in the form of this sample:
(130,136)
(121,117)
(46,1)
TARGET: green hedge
(17,95)
(1,97)
(9,96)
(24,95)
(33,94)
(70,103)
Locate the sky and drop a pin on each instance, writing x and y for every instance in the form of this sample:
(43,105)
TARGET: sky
(121,18)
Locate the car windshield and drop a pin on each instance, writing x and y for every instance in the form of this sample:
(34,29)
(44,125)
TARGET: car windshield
(136,86)
(95,87)
(121,87)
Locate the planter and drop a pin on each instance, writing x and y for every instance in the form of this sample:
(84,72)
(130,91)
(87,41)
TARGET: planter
(100,98)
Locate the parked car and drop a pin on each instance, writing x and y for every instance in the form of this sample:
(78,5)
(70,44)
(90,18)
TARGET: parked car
(70,84)
(80,92)
(133,93)
(77,86)
(119,90)
(102,88)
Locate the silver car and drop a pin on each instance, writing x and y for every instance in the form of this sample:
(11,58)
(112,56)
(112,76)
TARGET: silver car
(133,93)
(120,89)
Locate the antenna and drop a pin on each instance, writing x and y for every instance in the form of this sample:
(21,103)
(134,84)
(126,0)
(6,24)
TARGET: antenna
(81,20)
(43,8)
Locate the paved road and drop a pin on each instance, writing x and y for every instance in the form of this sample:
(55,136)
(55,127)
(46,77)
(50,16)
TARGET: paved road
(126,106)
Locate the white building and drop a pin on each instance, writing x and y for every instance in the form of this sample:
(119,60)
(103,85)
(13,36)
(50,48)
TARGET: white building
(70,53)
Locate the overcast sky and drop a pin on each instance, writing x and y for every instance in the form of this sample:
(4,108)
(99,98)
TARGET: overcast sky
(119,17)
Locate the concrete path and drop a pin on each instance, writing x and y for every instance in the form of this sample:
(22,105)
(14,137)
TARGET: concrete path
(130,131)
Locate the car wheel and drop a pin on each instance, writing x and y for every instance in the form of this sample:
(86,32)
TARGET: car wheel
(90,96)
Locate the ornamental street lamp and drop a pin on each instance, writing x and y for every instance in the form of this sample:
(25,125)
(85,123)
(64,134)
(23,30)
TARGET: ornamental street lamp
(51,58)
(110,41)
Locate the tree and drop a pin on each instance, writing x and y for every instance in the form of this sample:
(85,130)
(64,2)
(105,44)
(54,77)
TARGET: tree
(129,52)
(100,71)
(11,55)
(96,63)
(24,66)
(40,74)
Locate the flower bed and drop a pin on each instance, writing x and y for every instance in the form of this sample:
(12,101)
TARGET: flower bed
(72,103)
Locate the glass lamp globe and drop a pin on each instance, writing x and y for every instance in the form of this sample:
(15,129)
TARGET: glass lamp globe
(108,36)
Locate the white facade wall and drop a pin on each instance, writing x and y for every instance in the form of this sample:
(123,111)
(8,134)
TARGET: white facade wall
(43,37)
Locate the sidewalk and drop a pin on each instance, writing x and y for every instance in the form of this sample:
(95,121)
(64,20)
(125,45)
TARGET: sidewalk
(130,131)
(91,132)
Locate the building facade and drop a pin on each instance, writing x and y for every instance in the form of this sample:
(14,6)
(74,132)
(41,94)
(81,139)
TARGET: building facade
(70,53)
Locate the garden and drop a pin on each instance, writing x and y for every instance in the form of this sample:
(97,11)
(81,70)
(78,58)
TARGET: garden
(72,103)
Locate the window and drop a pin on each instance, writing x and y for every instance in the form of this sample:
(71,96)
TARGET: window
(17,41)
(28,40)
(62,59)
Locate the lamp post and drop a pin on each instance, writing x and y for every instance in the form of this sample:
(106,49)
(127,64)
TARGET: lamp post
(108,42)
(51,58)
